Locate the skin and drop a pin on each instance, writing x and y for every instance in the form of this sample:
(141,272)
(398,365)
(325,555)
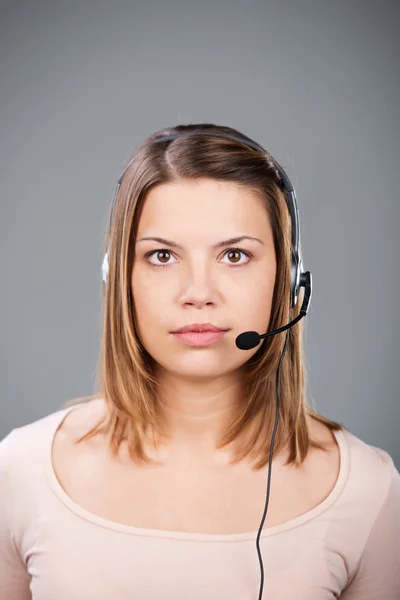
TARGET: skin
(201,386)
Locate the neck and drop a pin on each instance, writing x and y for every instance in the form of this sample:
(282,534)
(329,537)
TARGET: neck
(196,414)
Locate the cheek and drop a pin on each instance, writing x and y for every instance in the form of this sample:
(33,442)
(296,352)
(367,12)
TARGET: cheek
(256,292)
(253,306)
(150,306)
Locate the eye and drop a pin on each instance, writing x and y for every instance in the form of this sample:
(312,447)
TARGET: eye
(162,251)
(167,253)
(237,251)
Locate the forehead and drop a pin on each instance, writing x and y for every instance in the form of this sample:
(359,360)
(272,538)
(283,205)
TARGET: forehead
(204,203)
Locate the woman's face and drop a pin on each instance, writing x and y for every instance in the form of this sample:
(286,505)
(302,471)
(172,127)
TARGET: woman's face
(198,280)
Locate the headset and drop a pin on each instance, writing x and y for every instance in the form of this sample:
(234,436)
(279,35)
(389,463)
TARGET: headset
(298,278)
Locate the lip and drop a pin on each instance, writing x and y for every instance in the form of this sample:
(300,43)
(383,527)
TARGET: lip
(199,328)
(199,338)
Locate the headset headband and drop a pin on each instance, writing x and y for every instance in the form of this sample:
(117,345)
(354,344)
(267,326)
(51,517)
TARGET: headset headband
(296,266)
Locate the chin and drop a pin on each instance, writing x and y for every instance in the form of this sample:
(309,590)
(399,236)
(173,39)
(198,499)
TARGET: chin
(201,364)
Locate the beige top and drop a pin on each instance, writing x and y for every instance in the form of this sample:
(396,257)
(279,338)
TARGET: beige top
(52,549)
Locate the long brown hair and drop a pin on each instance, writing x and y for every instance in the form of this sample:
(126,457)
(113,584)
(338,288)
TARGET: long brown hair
(126,380)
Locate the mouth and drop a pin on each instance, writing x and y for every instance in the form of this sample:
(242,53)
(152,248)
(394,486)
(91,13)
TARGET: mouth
(199,328)
(199,338)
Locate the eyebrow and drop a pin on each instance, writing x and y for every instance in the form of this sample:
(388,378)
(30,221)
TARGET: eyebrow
(233,240)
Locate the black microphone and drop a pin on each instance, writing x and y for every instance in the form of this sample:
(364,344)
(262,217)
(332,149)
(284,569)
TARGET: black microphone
(250,339)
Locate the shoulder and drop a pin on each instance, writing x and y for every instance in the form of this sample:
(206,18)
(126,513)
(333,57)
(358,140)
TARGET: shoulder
(370,513)
(81,419)
(21,441)
(366,474)
(372,482)
(369,466)
(24,456)
(26,445)
(367,469)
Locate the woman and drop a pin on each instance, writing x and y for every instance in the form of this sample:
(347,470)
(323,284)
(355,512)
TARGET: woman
(154,488)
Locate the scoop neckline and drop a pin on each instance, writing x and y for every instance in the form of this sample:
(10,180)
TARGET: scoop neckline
(67,501)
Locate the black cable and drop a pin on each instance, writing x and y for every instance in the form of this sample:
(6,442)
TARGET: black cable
(278,401)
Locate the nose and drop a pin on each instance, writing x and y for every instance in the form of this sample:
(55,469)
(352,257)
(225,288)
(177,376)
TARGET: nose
(198,288)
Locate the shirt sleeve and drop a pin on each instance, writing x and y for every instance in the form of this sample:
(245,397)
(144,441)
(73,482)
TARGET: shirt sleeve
(377,576)
(14,578)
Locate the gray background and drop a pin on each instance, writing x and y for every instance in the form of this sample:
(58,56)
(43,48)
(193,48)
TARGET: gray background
(315,82)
